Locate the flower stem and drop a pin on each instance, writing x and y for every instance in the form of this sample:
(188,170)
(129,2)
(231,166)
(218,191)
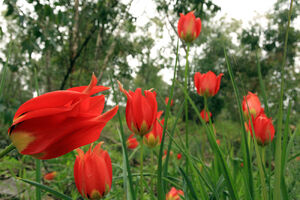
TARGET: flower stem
(37,161)
(141,171)
(8,149)
(186,102)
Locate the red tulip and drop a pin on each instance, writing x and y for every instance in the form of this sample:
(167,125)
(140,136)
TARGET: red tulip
(189,27)
(174,194)
(55,123)
(50,176)
(93,172)
(132,143)
(264,129)
(204,115)
(179,156)
(140,110)
(167,101)
(207,84)
(153,138)
(218,142)
(254,105)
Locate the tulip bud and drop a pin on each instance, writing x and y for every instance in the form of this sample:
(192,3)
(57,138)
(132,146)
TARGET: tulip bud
(179,156)
(58,122)
(252,102)
(167,101)
(140,110)
(204,115)
(132,143)
(207,84)
(154,137)
(93,172)
(189,27)
(264,129)
(50,176)
(174,194)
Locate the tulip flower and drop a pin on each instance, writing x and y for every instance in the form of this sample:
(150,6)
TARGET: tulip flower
(174,194)
(140,110)
(207,84)
(218,142)
(204,115)
(263,128)
(50,176)
(167,101)
(93,172)
(189,27)
(153,138)
(252,102)
(179,156)
(55,123)
(132,143)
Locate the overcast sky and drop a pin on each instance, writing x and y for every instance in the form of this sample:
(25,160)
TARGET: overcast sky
(143,10)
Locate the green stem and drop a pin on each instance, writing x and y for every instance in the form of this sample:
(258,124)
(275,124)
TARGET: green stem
(141,171)
(153,165)
(160,189)
(7,149)
(37,161)
(124,146)
(4,69)
(186,102)
(276,191)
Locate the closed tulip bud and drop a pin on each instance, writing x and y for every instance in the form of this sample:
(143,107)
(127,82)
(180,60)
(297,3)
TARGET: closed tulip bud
(207,84)
(174,194)
(189,27)
(50,176)
(93,172)
(252,102)
(167,101)
(263,128)
(179,156)
(153,138)
(140,110)
(132,143)
(204,115)
(58,122)
(218,142)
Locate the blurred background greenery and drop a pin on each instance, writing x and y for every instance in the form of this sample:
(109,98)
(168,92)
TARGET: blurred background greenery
(66,41)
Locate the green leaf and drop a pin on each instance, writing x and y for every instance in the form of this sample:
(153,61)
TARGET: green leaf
(47,189)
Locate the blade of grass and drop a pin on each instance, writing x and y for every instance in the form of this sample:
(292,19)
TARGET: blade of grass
(215,148)
(283,156)
(262,85)
(246,153)
(160,189)
(47,189)
(189,184)
(132,192)
(4,69)
(278,160)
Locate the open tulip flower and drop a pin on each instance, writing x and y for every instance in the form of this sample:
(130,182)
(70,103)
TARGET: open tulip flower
(55,123)
(252,102)
(263,128)
(153,138)
(140,110)
(93,172)
(132,143)
(204,115)
(174,194)
(189,27)
(207,84)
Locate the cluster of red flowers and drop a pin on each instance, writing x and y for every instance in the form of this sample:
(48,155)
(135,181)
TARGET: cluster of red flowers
(58,122)
(258,122)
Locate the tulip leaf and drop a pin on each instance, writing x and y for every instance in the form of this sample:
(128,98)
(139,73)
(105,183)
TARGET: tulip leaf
(189,184)
(47,189)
